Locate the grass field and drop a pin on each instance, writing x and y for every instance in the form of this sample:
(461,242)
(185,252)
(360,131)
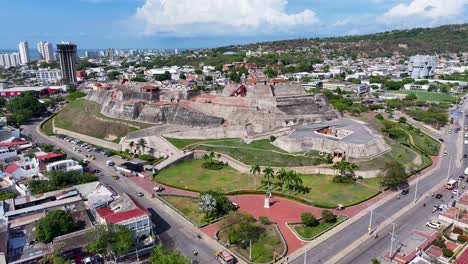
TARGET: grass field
(429,96)
(259,152)
(187,206)
(310,232)
(47,127)
(321,190)
(398,151)
(325,193)
(422,141)
(80,116)
(191,175)
(262,250)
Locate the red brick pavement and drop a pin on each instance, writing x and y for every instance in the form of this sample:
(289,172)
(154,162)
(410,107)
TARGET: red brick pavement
(148,184)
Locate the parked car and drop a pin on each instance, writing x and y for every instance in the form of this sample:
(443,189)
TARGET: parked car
(115,177)
(438,196)
(158,188)
(434,225)
(441,139)
(139,194)
(405,191)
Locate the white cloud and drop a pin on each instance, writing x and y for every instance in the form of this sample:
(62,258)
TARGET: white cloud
(431,11)
(187,17)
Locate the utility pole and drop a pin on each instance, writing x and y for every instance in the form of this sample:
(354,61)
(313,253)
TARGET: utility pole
(391,243)
(370,222)
(250,249)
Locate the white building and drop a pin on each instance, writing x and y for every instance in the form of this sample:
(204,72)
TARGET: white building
(46,51)
(10,60)
(65,165)
(49,75)
(24,52)
(422,66)
(420,87)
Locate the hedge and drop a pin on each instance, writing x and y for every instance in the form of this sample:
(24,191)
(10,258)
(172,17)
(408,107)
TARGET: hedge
(290,224)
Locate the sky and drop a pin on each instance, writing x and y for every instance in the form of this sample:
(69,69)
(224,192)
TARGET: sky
(96,24)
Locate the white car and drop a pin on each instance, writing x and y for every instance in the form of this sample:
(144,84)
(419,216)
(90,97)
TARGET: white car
(465,142)
(433,225)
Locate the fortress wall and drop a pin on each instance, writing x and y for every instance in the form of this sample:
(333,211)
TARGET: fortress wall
(151,114)
(121,110)
(360,151)
(285,89)
(178,114)
(100,97)
(129,95)
(213,133)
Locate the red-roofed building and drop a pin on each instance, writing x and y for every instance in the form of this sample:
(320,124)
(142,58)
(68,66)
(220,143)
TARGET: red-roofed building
(463,258)
(14,143)
(50,157)
(127,212)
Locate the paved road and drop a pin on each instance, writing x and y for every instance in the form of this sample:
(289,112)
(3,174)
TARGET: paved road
(171,229)
(416,218)
(327,249)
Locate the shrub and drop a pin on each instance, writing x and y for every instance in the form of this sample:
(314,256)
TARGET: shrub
(309,220)
(379,116)
(272,138)
(462,238)
(457,230)
(439,242)
(215,165)
(328,216)
(264,220)
(447,252)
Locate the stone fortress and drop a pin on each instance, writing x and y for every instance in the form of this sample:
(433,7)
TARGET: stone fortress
(248,111)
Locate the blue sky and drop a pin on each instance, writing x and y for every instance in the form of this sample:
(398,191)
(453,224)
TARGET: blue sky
(209,23)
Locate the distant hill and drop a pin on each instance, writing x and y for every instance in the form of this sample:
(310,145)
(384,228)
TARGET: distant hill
(448,38)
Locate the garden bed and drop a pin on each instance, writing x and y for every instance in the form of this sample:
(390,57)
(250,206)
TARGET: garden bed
(310,233)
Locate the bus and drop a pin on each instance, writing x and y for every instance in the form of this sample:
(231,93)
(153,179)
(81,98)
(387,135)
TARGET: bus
(451,184)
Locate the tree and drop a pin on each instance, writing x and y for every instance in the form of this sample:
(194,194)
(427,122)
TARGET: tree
(270,72)
(208,78)
(113,75)
(142,144)
(163,77)
(182,76)
(394,174)
(402,119)
(54,224)
(281,175)
(131,145)
(164,255)
(26,106)
(379,116)
(268,172)
(122,239)
(345,169)
(3,102)
(375,261)
(198,71)
(309,220)
(111,237)
(214,204)
(328,216)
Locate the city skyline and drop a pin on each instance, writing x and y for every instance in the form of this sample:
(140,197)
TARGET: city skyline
(99,24)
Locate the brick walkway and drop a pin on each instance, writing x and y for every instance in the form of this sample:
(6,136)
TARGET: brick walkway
(147,184)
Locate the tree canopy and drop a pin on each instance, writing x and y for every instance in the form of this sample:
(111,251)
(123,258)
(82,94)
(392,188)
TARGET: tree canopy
(54,224)
(164,255)
(116,237)
(394,174)
(25,106)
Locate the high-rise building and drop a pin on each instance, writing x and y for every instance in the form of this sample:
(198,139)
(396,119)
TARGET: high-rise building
(67,53)
(10,60)
(24,52)
(91,54)
(422,66)
(46,51)
(49,52)
(110,53)
(40,49)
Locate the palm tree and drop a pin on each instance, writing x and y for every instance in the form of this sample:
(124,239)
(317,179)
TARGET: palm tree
(131,145)
(212,156)
(297,179)
(255,169)
(268,172)
(281,176)
(142,143)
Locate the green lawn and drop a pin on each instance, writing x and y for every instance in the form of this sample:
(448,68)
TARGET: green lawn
(325,193)
(421,140)
(429,96)
(182,143)
(310,232)
(82,116)
(398,151)
(187,206)
(262,250)
(191,175)
(259,152)
(47,127)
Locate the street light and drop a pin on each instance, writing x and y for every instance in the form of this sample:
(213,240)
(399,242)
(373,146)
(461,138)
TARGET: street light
(392,239)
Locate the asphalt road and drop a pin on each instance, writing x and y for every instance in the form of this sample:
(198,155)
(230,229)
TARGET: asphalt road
(405,224)
(171,229)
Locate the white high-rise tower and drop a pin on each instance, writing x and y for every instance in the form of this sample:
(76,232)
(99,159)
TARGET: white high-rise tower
(24,52)
(46,50)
